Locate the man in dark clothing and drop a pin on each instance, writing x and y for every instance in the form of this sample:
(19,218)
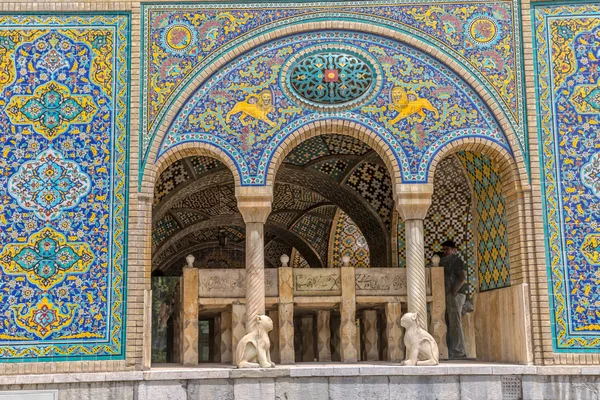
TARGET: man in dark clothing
(456,290)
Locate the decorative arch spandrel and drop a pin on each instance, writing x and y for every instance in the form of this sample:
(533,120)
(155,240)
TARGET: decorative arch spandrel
(414,104)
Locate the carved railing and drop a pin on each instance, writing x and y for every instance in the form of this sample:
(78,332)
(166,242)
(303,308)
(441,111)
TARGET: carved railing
(327,288)
(231,283)
(317,282)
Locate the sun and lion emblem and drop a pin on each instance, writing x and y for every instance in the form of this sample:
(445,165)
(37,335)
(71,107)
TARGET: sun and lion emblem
(256,106)
(259,106)
(407,104)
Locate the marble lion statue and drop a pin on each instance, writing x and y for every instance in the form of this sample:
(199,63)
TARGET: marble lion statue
(421,348)
(407,104)
(255,106)
(255,346)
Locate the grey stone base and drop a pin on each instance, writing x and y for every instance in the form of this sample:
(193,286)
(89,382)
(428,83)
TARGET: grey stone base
(327,382)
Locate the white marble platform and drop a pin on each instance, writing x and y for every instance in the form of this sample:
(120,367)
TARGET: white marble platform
(332,381)
(163,372)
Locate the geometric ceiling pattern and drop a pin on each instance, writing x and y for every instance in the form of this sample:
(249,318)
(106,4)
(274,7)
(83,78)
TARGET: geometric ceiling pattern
(348,240)
(330,185)
(195,201)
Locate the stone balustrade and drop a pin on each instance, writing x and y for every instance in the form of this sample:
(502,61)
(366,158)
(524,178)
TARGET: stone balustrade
(344,289)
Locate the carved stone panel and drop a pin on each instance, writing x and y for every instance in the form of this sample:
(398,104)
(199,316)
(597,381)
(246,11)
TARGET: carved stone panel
(271,283)
(220,283)
(317,282)
(384,282)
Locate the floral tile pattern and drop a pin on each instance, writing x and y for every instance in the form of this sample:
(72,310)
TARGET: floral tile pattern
(566,39)
(63,186)
(181,41)
(248,115)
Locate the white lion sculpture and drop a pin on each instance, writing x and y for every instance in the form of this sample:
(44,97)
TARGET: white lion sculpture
(421,348)
(255,346)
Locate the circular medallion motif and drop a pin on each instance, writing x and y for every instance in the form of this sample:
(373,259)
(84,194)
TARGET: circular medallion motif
(179,37)
(483,30)
(331,78)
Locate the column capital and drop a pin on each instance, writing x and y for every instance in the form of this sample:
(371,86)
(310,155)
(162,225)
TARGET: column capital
(413,200)
(254,202)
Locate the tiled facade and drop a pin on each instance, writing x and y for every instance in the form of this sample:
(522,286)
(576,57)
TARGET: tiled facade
(110,94)
(64,182)
(566,84)
(491,246)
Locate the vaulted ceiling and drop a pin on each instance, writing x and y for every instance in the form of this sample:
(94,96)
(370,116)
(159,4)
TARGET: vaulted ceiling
(195,206)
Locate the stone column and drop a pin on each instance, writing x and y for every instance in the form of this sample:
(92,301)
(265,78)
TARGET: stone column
(324,335)
(308,345)
(189,349)
(412,202)
(226,337)
(254,203)
(238,326)
(394,332)
(286,316)
(348,350)
(217,340)
(438,326)
(274,336)
(371,338)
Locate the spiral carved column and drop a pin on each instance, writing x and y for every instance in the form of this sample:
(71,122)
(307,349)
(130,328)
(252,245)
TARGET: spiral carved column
(254,203)
(412,202)
(255,273)
(415,275)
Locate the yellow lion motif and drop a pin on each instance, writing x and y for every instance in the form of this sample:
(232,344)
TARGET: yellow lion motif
(255,106)
(407,104)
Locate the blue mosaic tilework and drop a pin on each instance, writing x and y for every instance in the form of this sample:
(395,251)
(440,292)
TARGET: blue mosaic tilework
(63,186)
(172,176)
(164,228)
(307,151)
(340,144)
(181,41)
(373,183)
(334,168)
(492,242)
(188,217)
(566,41)
(247,115)
(348,240)
(315,229)
(203,164)
(284,218)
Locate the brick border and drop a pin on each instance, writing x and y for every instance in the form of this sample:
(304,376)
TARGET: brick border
(528,200)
